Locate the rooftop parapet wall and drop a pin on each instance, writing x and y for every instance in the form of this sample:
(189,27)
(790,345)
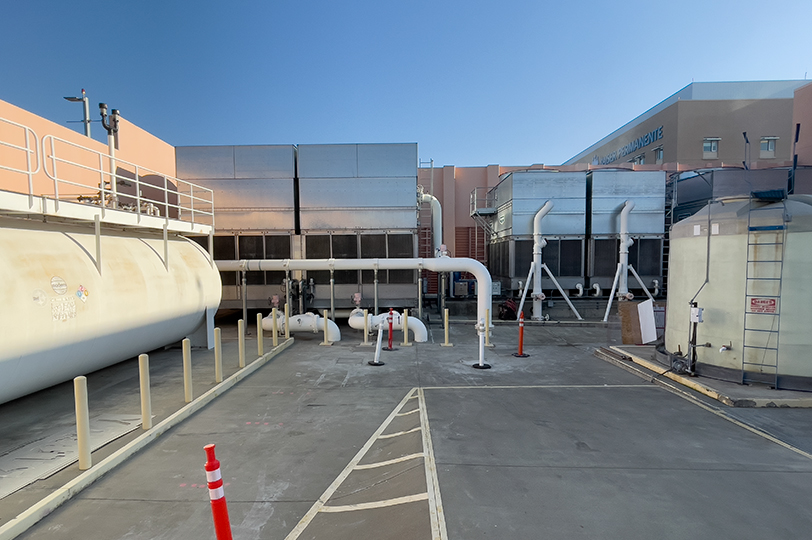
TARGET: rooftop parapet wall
(135,146)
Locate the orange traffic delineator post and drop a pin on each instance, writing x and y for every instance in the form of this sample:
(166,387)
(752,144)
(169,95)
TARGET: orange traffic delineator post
(222,527)
(521,354)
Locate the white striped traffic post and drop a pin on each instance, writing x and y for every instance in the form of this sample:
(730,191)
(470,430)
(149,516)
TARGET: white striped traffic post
(222,527)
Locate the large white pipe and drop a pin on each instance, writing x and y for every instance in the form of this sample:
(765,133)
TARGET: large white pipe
(625,244)
(308,321)
(437,264)
(436,221)
(538,244)
(419,332)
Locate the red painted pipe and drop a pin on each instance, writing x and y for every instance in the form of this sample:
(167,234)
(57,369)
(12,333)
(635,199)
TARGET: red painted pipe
(222,527)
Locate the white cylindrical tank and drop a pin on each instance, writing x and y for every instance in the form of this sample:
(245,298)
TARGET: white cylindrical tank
(716,242)
(62,317)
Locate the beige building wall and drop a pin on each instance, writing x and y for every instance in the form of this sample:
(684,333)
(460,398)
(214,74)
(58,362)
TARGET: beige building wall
(727,120)
(666,119)
(135,146)
(802,114)
(453,187)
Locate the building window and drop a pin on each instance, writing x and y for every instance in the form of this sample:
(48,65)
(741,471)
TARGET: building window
(710,148)
(639,160)
(658,155)
(767,147)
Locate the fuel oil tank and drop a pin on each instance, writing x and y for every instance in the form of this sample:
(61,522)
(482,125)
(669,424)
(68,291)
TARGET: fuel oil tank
(64,315)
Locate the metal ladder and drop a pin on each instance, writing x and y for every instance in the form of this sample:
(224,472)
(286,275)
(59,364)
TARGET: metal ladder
(766,235)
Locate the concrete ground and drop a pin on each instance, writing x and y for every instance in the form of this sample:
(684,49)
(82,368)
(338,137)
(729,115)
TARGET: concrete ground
(318,444)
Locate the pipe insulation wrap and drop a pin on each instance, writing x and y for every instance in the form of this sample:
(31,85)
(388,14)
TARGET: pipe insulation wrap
(436,221)
(418,329)
(437,264)
(538,245)
(625,243)
(298,323)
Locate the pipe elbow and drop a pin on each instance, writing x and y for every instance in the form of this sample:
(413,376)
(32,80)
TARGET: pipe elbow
(580,288)
(543,211)
(597,289)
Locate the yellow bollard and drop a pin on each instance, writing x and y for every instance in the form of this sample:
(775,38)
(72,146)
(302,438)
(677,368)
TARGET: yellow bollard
(274,329)
(218,356)
(406,329)
(187,370)
(146,399)
(366,342)
(325,343)
(287,322)
(447,343)
(241,341)
(260,337)
(82,422)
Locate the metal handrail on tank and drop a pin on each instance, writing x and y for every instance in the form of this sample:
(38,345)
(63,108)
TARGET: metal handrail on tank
(102,195)
(30,151)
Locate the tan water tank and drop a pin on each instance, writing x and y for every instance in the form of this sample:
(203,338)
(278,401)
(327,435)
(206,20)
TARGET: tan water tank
(62,316)
(756,301)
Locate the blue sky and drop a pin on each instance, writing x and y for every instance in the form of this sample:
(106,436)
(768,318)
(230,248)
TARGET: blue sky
(473,82)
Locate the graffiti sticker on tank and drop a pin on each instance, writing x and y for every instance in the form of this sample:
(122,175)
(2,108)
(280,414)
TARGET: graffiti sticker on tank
(40,297)
(82,293)
(58,285)
(63,309)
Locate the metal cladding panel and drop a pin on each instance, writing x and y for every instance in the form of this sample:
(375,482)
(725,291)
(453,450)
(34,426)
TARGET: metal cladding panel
(611,190)
(328,161)
(264,161)
(194,162)
(257,220)
(387,160)
(330,193)
(249,194)
(503,222)
(546,185)
(567,191)
(358,218)
(504,190)
(357,160)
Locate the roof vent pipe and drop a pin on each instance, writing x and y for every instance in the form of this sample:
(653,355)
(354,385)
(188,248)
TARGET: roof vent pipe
(538,244)
(436,221)
(625,243)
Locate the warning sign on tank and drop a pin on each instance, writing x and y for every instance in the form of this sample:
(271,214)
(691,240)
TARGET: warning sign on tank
(762,305)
